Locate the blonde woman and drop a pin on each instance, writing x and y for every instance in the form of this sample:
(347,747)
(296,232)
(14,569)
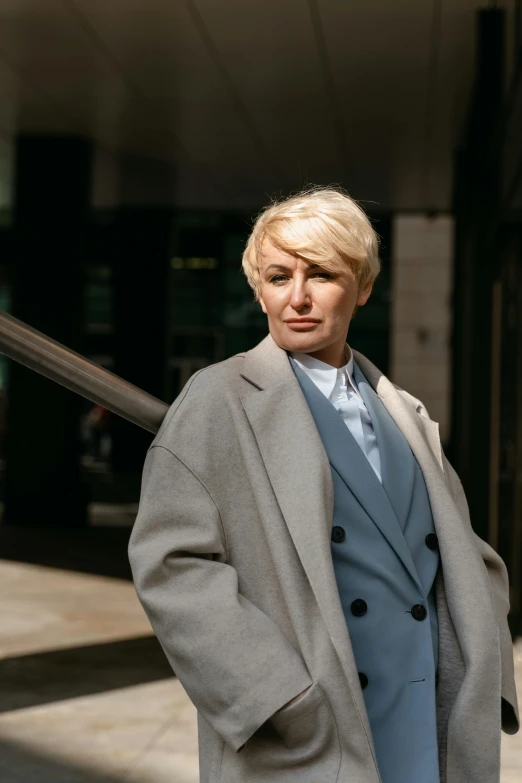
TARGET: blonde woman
(303,548)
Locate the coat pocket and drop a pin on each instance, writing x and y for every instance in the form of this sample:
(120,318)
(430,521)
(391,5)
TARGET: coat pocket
(305,722)
(299,743)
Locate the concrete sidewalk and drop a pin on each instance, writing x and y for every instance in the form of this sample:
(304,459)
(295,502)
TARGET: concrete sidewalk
(86,694)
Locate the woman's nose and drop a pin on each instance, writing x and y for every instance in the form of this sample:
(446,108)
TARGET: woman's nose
(300,295)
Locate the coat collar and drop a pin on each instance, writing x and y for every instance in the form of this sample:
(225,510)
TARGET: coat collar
(267,364)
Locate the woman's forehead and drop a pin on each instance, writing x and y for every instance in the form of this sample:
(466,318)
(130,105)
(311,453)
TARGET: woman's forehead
(271,255)
(269,251)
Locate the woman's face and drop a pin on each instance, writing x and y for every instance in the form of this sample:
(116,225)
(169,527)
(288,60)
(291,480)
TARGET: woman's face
(309,310)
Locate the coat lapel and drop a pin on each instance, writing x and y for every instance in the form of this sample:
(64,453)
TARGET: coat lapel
(299,472)
(347,458)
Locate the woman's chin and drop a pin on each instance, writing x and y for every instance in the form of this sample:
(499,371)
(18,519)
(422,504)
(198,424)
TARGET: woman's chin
(301,342)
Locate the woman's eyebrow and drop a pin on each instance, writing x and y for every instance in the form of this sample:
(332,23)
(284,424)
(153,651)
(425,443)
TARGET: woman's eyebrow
(277,266)
(287,268)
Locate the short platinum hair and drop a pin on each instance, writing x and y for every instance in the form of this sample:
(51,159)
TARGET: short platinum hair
(322,225)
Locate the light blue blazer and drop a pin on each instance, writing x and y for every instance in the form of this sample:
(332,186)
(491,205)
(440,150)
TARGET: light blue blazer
(385,557)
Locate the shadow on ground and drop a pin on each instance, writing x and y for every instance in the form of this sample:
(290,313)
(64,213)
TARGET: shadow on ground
(42,678)
(21,765)
(94,550)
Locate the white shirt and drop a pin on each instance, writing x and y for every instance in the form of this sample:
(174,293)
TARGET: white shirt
(339,387)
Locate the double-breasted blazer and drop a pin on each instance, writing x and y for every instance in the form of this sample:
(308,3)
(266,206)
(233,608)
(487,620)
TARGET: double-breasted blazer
(231,559)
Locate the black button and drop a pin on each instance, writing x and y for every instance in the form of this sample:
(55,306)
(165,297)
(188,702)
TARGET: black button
(338,534)
(363,679)
(432,542)
(359,607)
(419,612)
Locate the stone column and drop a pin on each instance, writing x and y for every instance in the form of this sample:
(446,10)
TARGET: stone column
(421,317)
(52,197)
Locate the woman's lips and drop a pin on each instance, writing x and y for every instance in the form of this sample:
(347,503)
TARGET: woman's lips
(300,326)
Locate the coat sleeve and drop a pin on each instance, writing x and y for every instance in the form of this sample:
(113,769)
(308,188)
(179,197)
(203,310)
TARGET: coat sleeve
(498,578)
(236,665)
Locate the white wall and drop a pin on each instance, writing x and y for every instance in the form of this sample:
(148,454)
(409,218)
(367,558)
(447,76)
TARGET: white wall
(422,256)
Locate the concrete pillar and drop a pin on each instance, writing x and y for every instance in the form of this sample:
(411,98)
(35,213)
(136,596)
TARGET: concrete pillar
(421,317)
(52,196)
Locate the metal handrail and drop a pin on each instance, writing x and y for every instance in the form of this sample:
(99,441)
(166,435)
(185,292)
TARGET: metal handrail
(35,350)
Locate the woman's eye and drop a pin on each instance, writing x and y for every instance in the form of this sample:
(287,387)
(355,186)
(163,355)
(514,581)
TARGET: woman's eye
(281,278)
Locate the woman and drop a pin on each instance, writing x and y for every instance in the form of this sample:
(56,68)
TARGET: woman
(303,548)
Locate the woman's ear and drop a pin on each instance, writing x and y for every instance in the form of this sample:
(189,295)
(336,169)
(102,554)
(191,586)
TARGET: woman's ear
(364,295)
(261,302)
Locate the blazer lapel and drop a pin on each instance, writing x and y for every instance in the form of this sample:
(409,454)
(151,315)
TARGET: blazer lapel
(347,458)
(299,472)
(397,464)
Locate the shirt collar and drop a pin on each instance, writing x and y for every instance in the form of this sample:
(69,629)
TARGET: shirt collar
(324,375)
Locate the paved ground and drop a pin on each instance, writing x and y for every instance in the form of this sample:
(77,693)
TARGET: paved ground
(86,695)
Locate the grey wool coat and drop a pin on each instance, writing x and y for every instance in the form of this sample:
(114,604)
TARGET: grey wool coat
(231,560)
